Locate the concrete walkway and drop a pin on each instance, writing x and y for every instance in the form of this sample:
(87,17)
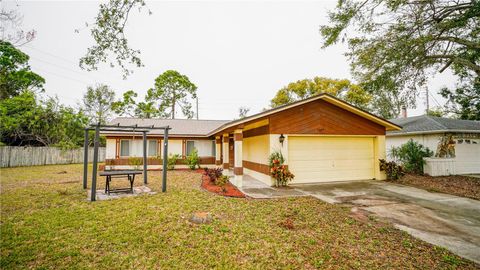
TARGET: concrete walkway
(444,220)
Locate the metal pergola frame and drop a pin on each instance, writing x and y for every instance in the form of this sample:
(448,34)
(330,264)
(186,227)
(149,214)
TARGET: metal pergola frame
(127,129)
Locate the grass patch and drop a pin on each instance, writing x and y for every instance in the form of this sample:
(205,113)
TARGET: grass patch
(47,223)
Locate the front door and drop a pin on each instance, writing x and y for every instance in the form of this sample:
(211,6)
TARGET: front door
(231,152)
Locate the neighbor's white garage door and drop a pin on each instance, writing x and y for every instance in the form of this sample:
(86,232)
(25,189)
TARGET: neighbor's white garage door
(467,158)
(325,159)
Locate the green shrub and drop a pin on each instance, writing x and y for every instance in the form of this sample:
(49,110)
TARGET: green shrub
(222,181)
(193,160)
(135,162)
(172,160)
(411,155)
(391,169)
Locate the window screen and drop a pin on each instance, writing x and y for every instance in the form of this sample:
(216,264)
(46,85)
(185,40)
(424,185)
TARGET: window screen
(214,150)
(124,148)
(190,147)
(152,148)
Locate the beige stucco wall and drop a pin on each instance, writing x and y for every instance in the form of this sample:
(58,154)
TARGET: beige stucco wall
(380,152)
(256,149)
(175,147)
(110,148)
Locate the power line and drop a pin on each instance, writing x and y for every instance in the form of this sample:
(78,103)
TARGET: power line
(53,55)
(63,76)
(58,57)
(65,68)
(434,99)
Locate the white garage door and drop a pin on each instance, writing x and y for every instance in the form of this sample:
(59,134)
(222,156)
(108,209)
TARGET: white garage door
(325,159)
(467,158)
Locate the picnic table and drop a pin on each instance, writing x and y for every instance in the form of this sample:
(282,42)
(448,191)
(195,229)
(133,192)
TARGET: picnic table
(130,174)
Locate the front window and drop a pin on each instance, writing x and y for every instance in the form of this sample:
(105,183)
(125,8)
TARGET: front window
(152,148)
(214,148)
(124,148)
(190,147)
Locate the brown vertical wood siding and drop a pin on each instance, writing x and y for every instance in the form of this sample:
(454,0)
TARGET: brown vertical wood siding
(231,152)
(261,168)
(321,117)
(256,131)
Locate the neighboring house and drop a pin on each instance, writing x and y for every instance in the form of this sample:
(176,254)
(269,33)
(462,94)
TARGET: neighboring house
(322,139)
(428,130)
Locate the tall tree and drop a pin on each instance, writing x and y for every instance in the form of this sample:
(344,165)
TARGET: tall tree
(395,45)
(97,103)
(302,89)
(15,73)
(464,101)
(129,106)
(173,89)
(108,31)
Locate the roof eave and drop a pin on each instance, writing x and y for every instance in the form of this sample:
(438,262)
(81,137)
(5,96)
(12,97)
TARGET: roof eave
(431,132)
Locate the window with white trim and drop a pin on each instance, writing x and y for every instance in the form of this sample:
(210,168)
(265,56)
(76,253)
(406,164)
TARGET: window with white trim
(190,147)
(124,148)
(152,148)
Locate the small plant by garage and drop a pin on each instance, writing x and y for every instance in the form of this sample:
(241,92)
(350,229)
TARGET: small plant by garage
(278,170)
(391,169)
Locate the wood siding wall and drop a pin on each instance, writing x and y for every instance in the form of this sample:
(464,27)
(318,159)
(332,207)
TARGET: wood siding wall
(321,117)
(261,168)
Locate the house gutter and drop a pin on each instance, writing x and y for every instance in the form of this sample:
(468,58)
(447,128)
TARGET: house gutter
(431,132)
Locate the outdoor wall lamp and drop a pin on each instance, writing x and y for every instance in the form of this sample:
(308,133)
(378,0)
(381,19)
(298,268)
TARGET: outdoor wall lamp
(281,139)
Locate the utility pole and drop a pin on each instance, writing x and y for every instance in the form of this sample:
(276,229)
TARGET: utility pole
(197,107)
(427,101)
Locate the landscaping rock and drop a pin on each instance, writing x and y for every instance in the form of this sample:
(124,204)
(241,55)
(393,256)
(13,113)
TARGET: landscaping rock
(201,218)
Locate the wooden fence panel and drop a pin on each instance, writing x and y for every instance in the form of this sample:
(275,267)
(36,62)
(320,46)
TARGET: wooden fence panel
(16,156)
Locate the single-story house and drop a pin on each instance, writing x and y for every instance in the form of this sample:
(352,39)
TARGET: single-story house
(322,139)
(429,130)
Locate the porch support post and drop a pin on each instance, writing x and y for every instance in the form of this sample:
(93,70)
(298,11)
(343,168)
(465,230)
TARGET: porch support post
(225,151)
(145,161)
(238,169)
(218,149)
(85,160)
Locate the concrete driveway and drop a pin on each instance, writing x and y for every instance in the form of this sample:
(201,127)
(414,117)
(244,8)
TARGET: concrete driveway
(444,220)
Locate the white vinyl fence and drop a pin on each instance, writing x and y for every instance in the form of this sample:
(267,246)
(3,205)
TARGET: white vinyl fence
(15,156)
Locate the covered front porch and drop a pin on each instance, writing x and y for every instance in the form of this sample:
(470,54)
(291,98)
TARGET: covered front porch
(229,155)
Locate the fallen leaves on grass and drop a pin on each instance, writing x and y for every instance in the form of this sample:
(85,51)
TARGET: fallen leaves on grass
(456,184)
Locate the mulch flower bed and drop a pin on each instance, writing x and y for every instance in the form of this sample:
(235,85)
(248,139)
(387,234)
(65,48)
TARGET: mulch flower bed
(456,184)
(230,190)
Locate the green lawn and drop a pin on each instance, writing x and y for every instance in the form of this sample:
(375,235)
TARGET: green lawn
(47,223)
